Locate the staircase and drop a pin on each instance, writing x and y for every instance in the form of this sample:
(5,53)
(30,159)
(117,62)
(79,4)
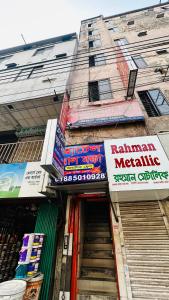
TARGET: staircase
(97,277)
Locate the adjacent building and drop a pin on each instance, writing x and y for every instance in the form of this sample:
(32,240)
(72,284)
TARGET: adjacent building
(34,87)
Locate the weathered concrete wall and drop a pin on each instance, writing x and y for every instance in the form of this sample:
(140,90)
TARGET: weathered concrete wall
(81,108)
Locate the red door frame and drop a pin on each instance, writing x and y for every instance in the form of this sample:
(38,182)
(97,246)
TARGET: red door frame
(73,290)
(75,230)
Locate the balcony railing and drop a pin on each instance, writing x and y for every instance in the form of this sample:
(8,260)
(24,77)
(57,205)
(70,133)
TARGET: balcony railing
(21,152)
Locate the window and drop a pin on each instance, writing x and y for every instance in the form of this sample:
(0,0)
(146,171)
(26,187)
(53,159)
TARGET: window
(113,29)
(109,23)
(94,44)
(139,61)
(11,65)
(42,50)
(97,60)
(28,72)
(123,16)
(90,25)
(130,23)
(99,90)
(161,51)
(165,8)
(160,15)
(121,42)
(154,102)
(90,44)
(62,55)
(142,33)
(90,32)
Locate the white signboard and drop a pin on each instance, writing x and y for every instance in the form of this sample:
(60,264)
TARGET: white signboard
(22,180)
(138,163)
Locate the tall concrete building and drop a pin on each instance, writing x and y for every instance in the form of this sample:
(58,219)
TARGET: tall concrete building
(118,222)
(33,89)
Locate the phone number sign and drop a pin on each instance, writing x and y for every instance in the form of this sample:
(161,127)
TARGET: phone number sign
(84,163)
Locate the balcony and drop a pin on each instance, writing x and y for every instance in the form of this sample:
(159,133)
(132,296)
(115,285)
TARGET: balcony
(27,151)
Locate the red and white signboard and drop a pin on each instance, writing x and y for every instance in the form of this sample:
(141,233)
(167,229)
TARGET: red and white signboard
(138,163)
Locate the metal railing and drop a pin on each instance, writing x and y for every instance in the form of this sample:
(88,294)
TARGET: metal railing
(21,151)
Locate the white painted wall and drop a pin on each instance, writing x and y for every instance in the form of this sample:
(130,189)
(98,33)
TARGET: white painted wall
(12,90)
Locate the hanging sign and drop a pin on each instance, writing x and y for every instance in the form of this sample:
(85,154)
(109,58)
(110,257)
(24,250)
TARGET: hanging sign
(52,159)
(138,163)
(84,163)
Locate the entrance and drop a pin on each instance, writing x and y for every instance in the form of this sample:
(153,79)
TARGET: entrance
(96,276)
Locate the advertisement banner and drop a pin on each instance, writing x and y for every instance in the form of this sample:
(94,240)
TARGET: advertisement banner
(84,163)
(21,180)
(53,149)
(138,163)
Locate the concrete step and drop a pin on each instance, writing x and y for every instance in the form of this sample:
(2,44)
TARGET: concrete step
(97,234)
(98,240)
(97,254)
(99,224)
(98,247)
(95,262)
(97,286)
(97,228)
(98,273)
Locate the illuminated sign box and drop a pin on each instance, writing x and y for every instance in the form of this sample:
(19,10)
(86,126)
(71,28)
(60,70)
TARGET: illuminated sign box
(135,164)
(53,149)
(84,163)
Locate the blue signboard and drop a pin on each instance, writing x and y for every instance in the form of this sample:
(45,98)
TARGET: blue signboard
(84,163)
(58,151)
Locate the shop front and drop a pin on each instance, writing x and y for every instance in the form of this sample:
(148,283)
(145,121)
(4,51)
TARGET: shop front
(116,234)
(138,175)
(25,210)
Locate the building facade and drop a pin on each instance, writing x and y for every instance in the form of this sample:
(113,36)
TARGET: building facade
(117,226)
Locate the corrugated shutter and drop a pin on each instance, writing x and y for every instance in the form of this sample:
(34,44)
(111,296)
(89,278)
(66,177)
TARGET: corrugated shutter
(47,223)
(146,243)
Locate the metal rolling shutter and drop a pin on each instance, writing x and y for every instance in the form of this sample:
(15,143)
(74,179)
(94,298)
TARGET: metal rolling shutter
(144,231)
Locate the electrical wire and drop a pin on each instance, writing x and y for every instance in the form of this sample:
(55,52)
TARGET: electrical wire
(117,49)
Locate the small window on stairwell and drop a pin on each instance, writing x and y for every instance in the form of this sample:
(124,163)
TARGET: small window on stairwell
(161,15)
(113,29)
(90,32)
(142,33)
(130,22)
(161,51)
(121,42)
(90,44)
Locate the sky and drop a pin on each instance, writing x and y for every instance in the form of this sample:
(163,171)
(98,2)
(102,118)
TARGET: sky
(42,19)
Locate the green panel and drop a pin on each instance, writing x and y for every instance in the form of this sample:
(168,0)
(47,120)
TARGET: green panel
(47,223)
